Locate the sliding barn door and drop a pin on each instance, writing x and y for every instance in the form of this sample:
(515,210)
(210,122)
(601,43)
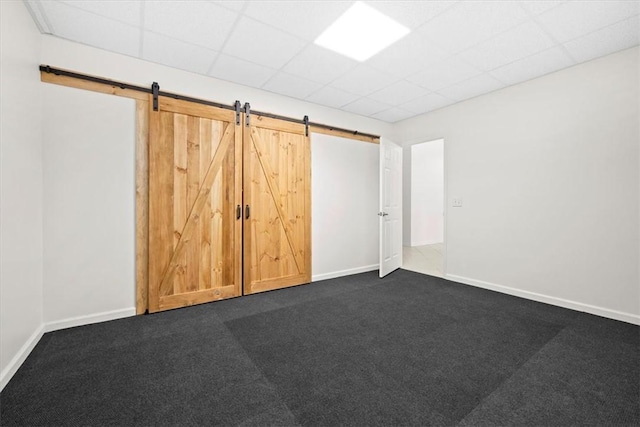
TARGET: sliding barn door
(277,196)
(195,191)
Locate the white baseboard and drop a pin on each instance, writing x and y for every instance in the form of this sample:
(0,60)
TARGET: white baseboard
(573,305)
(28,346)
(426,242)
(89,319)
(334,274)
(20,357)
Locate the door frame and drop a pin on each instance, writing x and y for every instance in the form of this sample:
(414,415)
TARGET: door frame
(445,196)
(142,206)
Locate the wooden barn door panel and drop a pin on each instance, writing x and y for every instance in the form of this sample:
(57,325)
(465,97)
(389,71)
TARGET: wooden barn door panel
(195,184)
(277,191)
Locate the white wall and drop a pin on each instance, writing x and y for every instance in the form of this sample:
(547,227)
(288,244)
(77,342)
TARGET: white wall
(548,172)
(427,193)
(20,188)
(89,199)
(344,187)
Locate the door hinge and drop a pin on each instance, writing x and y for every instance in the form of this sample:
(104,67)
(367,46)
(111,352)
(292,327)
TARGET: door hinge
(155,91)
(237,105)
(247,113)
(306,125)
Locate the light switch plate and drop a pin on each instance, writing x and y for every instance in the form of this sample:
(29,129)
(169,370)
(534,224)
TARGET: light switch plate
(457,202)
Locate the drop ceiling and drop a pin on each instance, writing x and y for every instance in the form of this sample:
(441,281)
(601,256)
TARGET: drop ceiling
(456,50)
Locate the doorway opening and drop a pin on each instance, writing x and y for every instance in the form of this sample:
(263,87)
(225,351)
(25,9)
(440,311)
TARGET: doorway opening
(423,250)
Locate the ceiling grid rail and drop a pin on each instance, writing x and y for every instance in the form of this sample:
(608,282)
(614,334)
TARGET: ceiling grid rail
(155,91)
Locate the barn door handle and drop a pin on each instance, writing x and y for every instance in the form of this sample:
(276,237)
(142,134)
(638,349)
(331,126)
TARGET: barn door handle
(247,212)
(238,211)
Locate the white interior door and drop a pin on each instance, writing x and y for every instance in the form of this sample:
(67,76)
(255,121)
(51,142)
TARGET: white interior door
(390,207)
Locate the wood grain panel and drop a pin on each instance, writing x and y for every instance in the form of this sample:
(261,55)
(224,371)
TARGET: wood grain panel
(278,233)
(194,199)
(179,199)
(160,200)
(278,283)
(198,297)
(192,261)
(263,122)
(142,206)
(344,134)
(217,231)
(228,210)
(203,194)
(266,158)
(196,110)
(204,281)
(92,86)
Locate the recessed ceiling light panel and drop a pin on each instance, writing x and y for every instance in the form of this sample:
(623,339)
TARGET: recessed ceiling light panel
(361,32)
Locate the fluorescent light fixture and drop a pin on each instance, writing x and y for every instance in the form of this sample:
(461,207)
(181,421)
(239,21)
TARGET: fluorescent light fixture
(361,32)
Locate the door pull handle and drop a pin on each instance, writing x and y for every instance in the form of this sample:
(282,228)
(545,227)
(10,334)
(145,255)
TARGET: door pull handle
(238,212)
(247,212)
(382,214)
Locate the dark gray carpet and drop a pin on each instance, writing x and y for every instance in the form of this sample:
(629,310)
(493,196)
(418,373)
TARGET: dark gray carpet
(405,350)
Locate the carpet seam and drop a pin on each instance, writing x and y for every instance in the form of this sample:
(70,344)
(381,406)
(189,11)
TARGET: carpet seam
(511,376)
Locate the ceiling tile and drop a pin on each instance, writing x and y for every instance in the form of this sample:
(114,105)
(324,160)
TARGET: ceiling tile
(197,22)
(533,66)
(305,19)
(611,39)
(84,27)
(363,80)
(319,64)
(398,93)
(332,97)
(366,107)
(408,56)
(412,14)
(444,74)
(578,18)
(289,85)
(469,23)
(393,115)
(175,53)
(235,5)
(516,43)
(473,87)
(262,44)
(240,71)
(126,11)
(426,103)
(541,6)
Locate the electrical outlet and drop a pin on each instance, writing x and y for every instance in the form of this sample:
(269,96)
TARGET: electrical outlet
(457,202)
